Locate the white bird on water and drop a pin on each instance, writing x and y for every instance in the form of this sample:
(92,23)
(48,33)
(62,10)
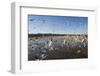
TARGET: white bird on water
(50,44)
(64,42)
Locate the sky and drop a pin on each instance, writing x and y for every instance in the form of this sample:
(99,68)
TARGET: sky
(57,24)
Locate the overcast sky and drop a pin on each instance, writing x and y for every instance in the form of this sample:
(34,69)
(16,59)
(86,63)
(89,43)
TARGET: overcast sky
(57,24)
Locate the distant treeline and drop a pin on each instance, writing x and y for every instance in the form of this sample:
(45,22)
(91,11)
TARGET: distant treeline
(49,34)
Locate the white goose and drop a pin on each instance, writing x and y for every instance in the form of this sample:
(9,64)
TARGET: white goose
(64,42)
(50,44)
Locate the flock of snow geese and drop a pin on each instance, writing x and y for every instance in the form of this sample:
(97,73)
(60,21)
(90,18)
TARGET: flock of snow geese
(37,48)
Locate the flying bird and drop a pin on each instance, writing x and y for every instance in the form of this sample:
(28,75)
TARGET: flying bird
(43,21)
(32,19)
(34,27)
